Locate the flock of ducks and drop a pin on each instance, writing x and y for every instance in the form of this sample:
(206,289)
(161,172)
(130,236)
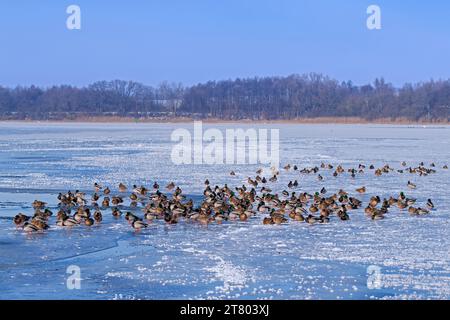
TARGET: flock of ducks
(222,203)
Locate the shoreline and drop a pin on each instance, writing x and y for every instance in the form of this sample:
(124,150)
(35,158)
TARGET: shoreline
(319,120)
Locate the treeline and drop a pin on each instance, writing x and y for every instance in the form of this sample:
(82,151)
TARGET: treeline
(296,96)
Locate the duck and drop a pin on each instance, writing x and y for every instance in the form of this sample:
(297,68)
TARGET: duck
(361,190)
(107,191)
(232,173)
(402,205)
(411,185)
(138,225)
(116,213)
(323,219)
(133,197)
(98,217)
(89,222)
(279,219)
(105,202)
(38,204)
(116,200)
(422,211)
(130,217)
(311,219)
(170,186)
(374,201)
(20,219)
(243,216)
(95,197)
(67,222)
(377,215)
(122,187)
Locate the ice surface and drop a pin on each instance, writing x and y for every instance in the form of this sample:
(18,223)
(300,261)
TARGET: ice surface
(231,261)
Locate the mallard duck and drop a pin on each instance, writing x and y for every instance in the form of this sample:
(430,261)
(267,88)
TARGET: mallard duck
(20,219)
(107,191)
(133,197)
(122,187)
(243,217)
(377,215)
(402,205)
(361,190)
(342,214)
(422,211)
(279,219)
(374,201)
(97,187)
(68,222)
(98,217)
(116,213)
(130,217)
(170,186)
(89,222)
(369,210)
(411,185)
(268,220)
(311,219)
(105,202)
(323,219)
(95,197)
(38,204)
(116,200)
(138,225)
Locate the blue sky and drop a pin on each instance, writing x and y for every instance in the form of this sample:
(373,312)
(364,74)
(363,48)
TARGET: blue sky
(199,40)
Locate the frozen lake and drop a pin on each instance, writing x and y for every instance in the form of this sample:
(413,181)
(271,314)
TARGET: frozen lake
(235,260)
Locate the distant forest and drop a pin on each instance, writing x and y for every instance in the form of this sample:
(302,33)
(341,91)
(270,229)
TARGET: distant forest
(267,98)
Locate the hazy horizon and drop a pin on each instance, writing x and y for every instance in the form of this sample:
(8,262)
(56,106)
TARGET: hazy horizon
(157,84)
